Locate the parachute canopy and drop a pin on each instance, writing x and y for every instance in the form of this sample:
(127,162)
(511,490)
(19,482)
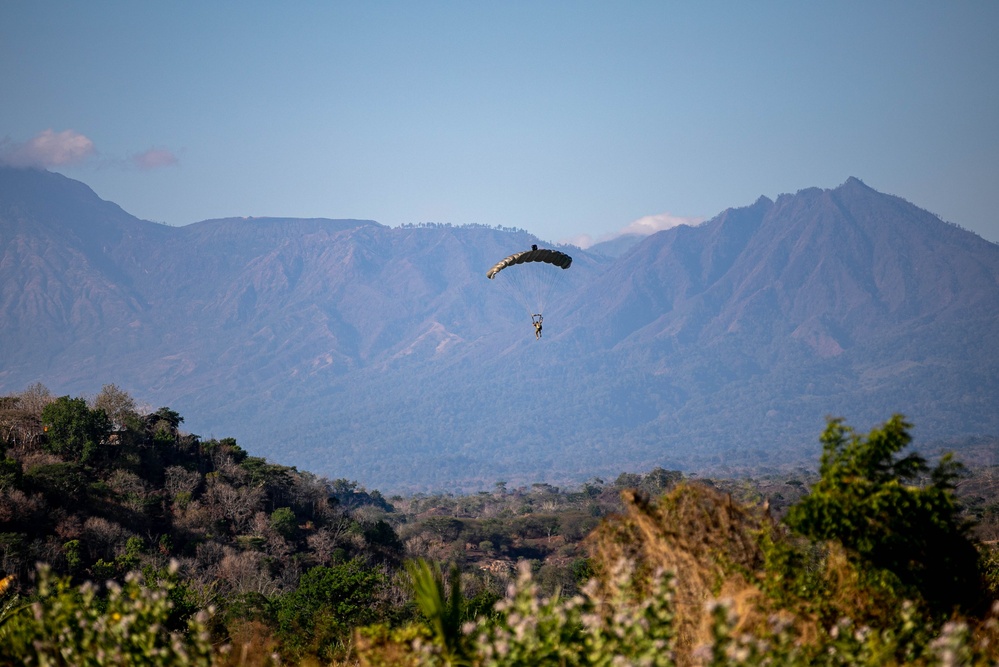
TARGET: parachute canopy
(532,276)
(535,254)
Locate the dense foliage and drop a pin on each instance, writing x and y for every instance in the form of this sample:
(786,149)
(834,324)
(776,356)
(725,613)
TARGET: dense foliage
(98,491)
(129,624)
(875,504)
(163,548)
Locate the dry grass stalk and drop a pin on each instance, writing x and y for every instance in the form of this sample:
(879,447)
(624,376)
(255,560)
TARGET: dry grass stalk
(710,543)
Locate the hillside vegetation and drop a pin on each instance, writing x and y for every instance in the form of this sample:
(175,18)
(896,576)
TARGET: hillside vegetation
(163,548)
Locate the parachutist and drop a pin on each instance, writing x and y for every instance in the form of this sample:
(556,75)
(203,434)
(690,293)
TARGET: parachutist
(538,282)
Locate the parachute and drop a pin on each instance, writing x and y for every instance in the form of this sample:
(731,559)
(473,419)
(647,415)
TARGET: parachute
(559,259)
(531,276)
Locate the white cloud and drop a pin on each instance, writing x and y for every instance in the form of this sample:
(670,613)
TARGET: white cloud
(580,241)
(154,158)
(48,149)
(644,226)
(651,224)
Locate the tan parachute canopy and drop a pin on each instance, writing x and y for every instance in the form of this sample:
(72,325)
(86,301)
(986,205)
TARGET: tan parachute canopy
(535,254)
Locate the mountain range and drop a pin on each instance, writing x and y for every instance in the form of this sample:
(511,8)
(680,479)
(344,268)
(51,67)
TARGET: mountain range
(352,349)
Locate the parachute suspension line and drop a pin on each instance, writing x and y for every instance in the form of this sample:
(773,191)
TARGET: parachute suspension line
(532,286)
(516,285)
(531,277)
(546,287)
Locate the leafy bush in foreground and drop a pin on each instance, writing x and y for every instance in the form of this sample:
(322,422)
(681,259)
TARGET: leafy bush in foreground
(873,501)
(623,628)
(625,621)
(75,625)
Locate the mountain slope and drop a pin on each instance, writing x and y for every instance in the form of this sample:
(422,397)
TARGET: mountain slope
(385,355)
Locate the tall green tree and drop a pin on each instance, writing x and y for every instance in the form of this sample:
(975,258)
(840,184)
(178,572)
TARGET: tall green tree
(73,430)
(894,512)
(327,604)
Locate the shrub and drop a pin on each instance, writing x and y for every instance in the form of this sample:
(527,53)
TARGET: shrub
(618,624)
(319,615)
(869,499)
(73,430)
(284,522)
(69,625)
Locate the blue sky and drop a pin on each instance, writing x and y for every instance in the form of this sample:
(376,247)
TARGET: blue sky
(569,119)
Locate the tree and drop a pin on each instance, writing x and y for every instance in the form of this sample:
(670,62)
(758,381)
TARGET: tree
(628,480)
(164,425)
(234,504)
(445,527)
(659,480)
(284,522)
(35,398)
(73,430)
(20,416)
(327,603)
(63,483)
(868,500)
(118,405)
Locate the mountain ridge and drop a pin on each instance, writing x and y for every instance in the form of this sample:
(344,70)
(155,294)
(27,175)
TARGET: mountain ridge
(385,355)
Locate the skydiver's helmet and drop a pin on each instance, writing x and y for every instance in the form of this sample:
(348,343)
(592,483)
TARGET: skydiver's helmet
(534,246)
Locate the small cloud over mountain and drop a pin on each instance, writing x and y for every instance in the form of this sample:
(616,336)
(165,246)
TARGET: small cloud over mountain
(154,158)
(650,224)
(644,226)
(48,149)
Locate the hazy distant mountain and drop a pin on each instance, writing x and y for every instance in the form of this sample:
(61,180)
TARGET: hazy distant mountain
(382,354)
(616,246)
